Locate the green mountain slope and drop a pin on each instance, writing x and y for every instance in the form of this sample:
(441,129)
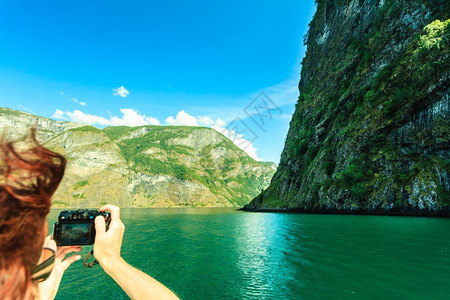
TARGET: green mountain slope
(147,166)
(370,133)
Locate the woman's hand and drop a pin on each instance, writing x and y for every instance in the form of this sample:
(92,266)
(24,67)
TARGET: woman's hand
(49,287)
(108,243)
(134,282)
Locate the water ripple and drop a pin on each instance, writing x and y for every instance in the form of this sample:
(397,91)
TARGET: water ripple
(226,254)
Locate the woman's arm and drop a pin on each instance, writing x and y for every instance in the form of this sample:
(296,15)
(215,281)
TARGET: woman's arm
(135,283)
(48,288)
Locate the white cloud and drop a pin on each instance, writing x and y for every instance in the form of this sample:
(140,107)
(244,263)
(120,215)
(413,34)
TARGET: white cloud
(152,121)
(182,118)
(82,103)
(59,114)
(81,117)
(61,93)
(130,117)
(220,123)
(121,91)
(205,120)
(239,140)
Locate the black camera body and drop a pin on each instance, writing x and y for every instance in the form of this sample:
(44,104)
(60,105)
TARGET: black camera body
(77,227)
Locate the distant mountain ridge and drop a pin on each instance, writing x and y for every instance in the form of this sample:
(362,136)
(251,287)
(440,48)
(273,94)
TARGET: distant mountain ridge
(145,166)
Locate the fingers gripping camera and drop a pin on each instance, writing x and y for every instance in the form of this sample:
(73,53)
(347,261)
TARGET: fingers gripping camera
(77,227)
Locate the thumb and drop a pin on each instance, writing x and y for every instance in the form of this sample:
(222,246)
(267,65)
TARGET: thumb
(68,261)
(49,243)
(100,226)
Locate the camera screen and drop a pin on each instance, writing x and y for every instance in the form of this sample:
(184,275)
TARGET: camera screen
(75,233)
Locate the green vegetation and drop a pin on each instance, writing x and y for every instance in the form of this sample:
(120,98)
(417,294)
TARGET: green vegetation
(153,152)
(78,196)
(87,128)
(118,131)
(203,163)
(353,178)
(154,132)
(80,184)
(343,135)
(134,151)
(391,92)
(7,111)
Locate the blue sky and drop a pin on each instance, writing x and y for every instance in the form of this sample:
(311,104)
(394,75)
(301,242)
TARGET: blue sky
(230,65)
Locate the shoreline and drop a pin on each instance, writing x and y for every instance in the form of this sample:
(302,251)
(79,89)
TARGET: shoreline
(151,207)
(361,212)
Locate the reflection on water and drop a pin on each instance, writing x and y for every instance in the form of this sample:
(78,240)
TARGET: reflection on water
(264,265)
(226,254)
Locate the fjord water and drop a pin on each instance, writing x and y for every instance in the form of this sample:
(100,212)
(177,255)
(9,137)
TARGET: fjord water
(203,253)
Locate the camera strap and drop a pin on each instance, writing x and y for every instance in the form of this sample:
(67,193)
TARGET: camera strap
(92,263)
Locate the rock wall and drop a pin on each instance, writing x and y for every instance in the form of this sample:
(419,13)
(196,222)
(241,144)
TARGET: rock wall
(370,133)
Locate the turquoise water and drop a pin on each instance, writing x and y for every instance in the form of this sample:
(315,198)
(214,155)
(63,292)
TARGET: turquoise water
(203,253)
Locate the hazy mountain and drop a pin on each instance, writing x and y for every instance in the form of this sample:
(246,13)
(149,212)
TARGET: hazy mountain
(159,166)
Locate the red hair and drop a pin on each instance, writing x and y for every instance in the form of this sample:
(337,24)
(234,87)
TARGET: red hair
(28,179)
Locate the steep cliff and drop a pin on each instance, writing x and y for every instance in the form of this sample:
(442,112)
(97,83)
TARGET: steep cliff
(370,133)
(147,166)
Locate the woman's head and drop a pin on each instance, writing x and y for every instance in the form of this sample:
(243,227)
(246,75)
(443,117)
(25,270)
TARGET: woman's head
(28,179)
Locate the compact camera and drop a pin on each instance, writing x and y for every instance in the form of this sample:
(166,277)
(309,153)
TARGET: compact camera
(77,227)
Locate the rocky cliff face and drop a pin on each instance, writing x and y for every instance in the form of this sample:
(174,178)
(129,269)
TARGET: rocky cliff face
(21,122)
(148,166)
(370,133)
